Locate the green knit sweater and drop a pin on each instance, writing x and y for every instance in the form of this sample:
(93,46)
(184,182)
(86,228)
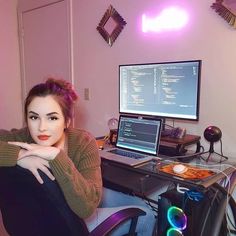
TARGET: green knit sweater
(78,172)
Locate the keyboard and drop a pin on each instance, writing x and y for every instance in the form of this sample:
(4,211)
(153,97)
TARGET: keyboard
(128,154)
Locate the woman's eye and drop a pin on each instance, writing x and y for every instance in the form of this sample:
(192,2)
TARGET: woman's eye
(53,118)
(33,117)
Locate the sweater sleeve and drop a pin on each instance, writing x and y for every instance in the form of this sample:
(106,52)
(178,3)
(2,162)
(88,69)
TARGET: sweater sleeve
(9,153)
(80,176)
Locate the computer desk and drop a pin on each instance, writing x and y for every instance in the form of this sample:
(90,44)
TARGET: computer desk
(144,179)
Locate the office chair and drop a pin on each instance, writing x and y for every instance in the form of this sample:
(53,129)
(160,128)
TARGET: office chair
(33,213)
(113,221)
(116,219)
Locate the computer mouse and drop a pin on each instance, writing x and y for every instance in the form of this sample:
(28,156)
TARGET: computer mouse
(180,169)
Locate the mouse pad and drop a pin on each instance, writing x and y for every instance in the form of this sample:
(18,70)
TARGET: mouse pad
(191,173)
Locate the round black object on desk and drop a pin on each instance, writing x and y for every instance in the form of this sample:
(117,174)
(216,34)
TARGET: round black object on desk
(212,134)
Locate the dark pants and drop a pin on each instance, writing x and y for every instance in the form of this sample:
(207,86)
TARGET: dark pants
(33,209)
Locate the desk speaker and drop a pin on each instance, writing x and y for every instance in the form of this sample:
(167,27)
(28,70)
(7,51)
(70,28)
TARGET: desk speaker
(181,215)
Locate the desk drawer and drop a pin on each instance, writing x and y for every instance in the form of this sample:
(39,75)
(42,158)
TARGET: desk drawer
(119,178)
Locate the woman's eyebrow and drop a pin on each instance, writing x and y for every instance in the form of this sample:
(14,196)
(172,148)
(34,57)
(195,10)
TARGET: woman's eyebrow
(52,113)
(48,114)
(33,112)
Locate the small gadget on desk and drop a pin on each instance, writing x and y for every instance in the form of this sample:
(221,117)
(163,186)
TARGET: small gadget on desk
(138,140)
(174,133)
(113,125)
(180,169)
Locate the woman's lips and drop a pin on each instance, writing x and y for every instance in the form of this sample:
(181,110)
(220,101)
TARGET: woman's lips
(43,137)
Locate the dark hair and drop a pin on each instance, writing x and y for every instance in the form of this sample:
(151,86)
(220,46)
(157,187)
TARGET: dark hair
(60,89)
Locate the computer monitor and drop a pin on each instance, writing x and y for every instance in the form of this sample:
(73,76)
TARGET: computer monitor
(165,89)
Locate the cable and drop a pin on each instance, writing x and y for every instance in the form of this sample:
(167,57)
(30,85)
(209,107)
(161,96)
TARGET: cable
(207,167)
(146,200)
(184,156)
(207,215)
(230,221)
(155,209)
(181,189)
(220,213)
(171,126)
(228,199)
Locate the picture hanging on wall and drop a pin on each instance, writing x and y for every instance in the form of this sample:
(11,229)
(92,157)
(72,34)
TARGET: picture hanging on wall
(227,10)
(111,25)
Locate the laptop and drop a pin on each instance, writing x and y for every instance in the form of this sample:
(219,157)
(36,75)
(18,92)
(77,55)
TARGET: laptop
(137,140)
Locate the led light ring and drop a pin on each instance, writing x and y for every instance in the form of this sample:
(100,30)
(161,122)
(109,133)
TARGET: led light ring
(177,218)
(174,232)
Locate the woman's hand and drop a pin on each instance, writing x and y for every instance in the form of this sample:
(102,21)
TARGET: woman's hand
(33,164)
(35,157)
(32,149)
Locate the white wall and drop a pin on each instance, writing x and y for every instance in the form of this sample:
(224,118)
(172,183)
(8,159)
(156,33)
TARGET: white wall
(10,86)
(207,37)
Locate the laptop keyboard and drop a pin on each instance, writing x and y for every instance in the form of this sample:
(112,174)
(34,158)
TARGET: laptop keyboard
(127,154)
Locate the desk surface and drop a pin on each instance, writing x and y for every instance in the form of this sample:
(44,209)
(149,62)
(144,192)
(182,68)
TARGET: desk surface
(221,171)
(132,177)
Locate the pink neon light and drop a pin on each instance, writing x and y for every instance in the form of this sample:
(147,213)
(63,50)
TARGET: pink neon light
(171,18)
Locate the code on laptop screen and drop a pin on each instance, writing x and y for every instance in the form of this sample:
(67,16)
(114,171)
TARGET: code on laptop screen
(139,134)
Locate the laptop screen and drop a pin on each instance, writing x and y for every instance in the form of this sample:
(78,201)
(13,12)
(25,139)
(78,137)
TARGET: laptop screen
(139,134)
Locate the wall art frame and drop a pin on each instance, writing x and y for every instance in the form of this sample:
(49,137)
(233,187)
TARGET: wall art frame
(227,10)
(111,25)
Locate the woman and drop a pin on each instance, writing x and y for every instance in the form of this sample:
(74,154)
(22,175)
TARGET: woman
(49,149)
(48,164)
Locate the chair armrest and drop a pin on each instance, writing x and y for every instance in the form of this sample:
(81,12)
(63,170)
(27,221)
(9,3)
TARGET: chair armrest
(116,219)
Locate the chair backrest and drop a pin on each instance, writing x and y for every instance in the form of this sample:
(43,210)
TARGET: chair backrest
(29,208)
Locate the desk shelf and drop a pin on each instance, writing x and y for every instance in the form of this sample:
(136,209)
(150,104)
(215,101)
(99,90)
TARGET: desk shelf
(178,146)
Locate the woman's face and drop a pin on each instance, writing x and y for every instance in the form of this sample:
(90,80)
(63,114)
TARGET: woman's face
(46,122)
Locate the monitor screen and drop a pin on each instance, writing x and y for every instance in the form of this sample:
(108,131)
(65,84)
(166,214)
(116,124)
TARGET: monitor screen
(166,89)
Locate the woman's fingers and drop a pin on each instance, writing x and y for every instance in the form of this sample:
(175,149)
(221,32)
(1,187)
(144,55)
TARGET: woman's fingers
(46,171)
(37,175)
(43,165)
(34,164)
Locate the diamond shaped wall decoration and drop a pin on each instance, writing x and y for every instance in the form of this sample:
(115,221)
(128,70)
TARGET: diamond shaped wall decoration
(111,25)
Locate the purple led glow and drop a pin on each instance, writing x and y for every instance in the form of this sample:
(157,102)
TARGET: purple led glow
(171,18)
